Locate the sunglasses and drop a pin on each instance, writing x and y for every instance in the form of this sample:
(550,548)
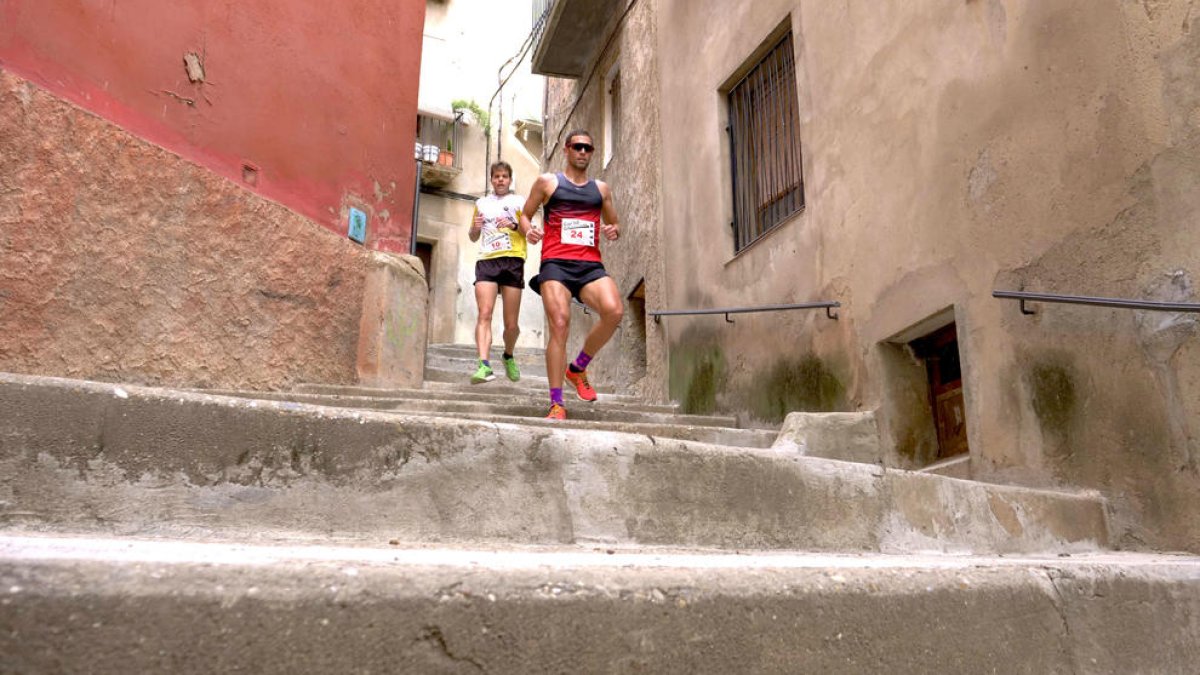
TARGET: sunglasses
(582,147)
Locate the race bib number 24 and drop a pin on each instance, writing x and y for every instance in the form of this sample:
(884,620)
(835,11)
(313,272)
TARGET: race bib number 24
(578,232)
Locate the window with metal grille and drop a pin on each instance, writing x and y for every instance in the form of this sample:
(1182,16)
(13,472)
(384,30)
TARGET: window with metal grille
(764,143)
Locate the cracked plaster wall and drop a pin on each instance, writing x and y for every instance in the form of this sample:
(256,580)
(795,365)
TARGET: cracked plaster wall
(120,261)
(951,149)
(311,105)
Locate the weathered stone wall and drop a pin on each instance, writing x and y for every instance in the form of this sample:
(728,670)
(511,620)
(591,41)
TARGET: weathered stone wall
(951,149)
(635,359)
(312,105)
(122,261)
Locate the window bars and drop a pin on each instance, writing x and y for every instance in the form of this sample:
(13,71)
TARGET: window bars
(764,142)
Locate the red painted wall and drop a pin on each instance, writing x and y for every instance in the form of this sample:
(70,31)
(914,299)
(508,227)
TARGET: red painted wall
(319,96)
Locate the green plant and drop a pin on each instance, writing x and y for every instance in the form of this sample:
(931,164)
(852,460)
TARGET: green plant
(481,116)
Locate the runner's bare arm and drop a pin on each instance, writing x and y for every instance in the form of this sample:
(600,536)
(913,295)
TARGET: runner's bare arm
(476,225)
(608,213)
(538,195)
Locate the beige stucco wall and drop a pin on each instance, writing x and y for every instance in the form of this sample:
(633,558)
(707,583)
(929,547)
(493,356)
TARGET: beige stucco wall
(951,149)
(455,67)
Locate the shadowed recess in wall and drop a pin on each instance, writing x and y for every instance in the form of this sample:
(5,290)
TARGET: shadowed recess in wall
(805,384)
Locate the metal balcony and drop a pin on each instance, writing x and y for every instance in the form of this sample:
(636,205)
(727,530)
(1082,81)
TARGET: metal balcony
(570,33)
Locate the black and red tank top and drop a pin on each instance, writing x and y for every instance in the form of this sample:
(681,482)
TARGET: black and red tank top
(572,222)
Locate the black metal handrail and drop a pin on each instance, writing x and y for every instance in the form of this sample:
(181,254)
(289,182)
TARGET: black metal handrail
(1120,303)
(827,305)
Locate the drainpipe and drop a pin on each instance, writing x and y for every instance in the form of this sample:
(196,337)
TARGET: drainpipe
(412,239)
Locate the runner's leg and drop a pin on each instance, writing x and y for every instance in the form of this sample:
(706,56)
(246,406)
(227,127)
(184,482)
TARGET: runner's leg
(603,297)
(485,299)
(557,301)
(512,317)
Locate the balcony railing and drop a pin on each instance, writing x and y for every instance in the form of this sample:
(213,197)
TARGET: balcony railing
(569,32)
(541,13)
(439,140)
(439,149)
(540,9)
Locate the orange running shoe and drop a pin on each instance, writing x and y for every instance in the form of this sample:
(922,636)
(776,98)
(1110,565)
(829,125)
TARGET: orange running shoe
(582,386)
(557,412)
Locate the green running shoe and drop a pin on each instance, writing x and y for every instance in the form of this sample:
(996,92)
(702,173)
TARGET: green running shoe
(511,369)
(483,374)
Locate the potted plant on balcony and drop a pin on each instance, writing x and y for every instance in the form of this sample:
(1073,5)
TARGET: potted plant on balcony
(481,116)
(446,156)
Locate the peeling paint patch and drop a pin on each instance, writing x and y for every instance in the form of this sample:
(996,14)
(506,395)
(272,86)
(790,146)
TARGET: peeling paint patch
(194,66)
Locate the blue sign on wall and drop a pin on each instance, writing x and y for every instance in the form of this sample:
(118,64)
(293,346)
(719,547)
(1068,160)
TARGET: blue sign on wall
(358,226)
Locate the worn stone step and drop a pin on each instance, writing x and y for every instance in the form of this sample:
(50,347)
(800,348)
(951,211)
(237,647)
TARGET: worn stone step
(74,604)
(461,376)
(508,408)
(468,364)
(112,458)
(435,397)
(588,411)
(581,417)
(523,388)
(468,391)
(522,354)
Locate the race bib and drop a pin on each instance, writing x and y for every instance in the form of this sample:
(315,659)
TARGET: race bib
(576,232)
(496,241)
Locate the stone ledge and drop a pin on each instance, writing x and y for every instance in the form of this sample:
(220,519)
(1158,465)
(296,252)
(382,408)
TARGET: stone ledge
(86,455)
(119,605)
(438,175)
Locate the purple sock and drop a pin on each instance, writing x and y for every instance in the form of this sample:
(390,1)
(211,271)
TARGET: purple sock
(582,361)
(556,396)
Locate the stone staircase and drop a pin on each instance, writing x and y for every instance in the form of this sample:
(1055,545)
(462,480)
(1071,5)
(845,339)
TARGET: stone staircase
(452,529)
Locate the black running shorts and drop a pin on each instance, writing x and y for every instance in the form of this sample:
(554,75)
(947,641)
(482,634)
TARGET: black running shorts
(574,274)
(505,271)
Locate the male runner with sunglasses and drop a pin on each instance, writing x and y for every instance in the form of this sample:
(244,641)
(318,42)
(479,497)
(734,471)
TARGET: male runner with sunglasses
(578,211)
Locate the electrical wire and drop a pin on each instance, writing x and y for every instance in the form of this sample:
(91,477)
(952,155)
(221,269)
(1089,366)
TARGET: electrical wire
(518,58)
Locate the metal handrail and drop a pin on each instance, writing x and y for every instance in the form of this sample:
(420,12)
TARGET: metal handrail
(541,10)
(827,305)
(1120,303)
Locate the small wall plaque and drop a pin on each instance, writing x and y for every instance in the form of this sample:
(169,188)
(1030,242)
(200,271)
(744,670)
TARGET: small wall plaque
(358,226)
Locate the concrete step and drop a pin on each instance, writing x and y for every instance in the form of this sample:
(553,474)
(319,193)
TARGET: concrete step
(523,354)
(580,417)
(468,364)
(499,389)
(524,388)
(113,458)
(435,396)
(461,376)
(525,407)
(954,467)
(75,604)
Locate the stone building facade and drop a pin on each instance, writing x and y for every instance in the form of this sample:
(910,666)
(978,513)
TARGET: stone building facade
(948,150)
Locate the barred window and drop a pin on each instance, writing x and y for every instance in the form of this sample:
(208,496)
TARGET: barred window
(764,142)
